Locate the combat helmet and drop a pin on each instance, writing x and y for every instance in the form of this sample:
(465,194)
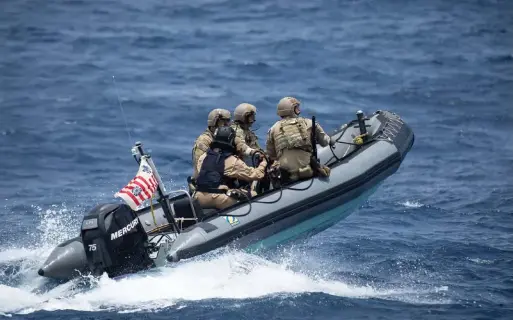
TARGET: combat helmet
(242,111)
(216,115)
(286,107)
(224,139)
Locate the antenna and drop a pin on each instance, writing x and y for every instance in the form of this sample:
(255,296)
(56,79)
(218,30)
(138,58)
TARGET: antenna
(122,111)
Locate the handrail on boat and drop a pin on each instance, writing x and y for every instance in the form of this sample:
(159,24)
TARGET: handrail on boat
(190,203)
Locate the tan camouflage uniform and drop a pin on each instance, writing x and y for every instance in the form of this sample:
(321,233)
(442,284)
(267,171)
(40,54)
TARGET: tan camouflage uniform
(203,142)
(244,116)
(234,168)
(247,137)
(289,141)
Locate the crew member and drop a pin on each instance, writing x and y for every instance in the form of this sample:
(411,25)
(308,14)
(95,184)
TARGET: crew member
(244,116)
(289,143)
(219,170)
(216,118)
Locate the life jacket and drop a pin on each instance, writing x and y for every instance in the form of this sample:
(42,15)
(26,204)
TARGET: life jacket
(211,174)
(291,133)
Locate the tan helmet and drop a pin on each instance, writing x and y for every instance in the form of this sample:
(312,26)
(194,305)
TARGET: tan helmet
(286,107)
(242,111)
(217,114)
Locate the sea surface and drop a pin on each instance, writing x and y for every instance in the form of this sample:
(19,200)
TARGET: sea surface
(434,242)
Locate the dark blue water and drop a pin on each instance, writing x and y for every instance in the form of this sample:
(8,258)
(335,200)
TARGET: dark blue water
(434,242)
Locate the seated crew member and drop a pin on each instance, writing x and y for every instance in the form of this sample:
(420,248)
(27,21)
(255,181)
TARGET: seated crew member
(216,118)
(244,116)
(289,142)
(219,169)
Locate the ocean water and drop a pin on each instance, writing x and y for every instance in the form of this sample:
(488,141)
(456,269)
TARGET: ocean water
(434,242)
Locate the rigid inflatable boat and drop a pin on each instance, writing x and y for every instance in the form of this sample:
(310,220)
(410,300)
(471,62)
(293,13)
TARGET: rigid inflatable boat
(118,240)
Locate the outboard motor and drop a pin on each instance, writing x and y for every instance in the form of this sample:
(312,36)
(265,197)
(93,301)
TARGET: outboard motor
(114,240)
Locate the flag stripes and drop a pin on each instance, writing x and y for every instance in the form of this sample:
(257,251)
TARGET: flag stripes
(140,188)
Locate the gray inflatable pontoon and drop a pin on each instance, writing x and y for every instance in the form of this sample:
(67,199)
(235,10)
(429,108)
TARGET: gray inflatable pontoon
(116,240)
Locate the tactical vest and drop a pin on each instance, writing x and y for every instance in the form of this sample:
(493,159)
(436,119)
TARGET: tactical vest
(246,135)
(211,175)
(292,133)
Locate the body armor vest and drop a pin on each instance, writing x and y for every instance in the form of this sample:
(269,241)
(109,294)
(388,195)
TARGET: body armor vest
(211,175)
(292,133)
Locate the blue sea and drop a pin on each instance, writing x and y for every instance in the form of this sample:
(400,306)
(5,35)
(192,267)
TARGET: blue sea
(435,241)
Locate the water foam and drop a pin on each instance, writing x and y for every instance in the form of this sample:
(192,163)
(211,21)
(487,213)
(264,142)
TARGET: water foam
(233,275)
(19,264)
(412,204)
(224,275)
(15,254)
(57,224)
(481,261)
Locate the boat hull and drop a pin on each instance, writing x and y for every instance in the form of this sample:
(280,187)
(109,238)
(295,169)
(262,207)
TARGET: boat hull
(300,230)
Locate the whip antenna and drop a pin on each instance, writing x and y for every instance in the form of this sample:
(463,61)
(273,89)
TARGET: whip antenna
(122,111)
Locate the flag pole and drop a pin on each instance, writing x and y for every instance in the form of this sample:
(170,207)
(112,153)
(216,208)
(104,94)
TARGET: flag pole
(160,188)
(163,200)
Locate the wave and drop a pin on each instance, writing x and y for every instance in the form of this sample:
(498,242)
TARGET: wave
(222,274)
(411,204)
(232,275)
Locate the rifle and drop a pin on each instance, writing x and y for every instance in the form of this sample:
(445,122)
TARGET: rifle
(314,161)
(314,138)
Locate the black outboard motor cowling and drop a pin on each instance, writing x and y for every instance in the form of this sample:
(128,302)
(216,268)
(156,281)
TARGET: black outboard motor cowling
(114,240)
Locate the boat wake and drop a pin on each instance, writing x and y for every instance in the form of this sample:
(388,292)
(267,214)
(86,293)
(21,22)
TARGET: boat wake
(223,274)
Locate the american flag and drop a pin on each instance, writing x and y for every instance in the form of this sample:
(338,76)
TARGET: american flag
(140,188)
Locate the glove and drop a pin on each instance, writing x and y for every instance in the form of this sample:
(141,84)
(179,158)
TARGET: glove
(259,154)
(237,194)
(333,141)
(324,171)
